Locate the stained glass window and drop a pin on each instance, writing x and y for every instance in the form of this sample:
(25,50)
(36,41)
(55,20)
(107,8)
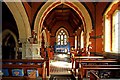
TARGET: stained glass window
(62,38)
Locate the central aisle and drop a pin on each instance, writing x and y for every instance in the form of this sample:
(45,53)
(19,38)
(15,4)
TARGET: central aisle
(60,67)
(60,64)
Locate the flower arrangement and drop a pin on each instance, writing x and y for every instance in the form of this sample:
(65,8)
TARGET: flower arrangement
(33,38)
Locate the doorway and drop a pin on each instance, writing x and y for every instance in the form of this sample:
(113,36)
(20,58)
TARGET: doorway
(8,47)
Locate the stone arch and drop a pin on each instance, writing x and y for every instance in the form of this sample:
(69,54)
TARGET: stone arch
(78,7)
(5,33)
(18,11)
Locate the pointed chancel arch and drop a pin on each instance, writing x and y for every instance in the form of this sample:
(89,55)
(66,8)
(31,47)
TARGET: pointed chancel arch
(18,11)
(78,7)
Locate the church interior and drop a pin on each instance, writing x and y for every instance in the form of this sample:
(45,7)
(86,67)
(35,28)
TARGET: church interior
(60,40)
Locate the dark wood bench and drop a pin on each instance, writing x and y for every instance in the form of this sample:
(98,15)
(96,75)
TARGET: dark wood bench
(97,61)
(24,64)
(78,62)
(31,61)
(93,76)
(96,67)
(14,61)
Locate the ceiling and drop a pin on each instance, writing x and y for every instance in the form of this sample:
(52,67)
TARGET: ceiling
(63,13)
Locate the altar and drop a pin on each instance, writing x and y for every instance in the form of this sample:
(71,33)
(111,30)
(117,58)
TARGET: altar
(64,50)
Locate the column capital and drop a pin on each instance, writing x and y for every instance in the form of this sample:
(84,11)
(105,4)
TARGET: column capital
(23,40)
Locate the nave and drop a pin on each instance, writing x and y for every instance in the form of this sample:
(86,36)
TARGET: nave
(51,39)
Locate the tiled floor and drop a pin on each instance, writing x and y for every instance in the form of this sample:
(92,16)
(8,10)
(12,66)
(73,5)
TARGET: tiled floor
(60,64)
(60,67)
(62,77)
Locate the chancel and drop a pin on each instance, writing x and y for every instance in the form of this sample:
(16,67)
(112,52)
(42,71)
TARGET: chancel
(60,40)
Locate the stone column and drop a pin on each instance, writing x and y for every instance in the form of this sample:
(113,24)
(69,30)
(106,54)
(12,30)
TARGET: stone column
(24,42)
(76,42)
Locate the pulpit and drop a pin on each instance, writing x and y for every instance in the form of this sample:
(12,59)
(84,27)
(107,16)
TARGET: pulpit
(32,51)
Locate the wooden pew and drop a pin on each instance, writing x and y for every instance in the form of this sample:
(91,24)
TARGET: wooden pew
(97,61)
(96,67)
(32,61)
(24,64)
(25,67)
(78,62)
(93,76)
(24,60)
